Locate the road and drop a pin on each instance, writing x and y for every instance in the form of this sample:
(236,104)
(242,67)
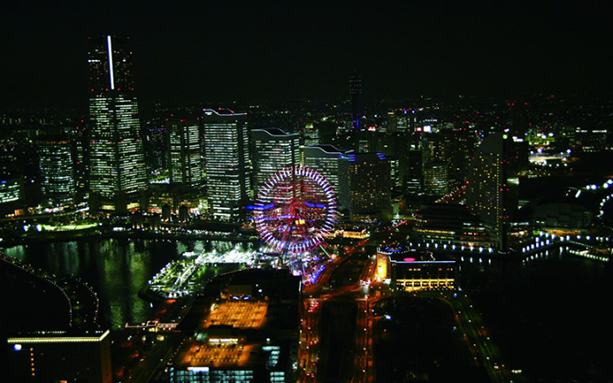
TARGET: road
(475,334)
(336,280)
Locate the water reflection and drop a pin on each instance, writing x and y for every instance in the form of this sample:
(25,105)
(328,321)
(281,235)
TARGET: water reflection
(116,268)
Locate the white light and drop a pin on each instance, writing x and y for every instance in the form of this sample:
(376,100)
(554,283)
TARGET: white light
(110,48)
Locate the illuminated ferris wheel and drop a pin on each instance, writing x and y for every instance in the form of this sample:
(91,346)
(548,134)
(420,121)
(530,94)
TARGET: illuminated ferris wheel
(295,209)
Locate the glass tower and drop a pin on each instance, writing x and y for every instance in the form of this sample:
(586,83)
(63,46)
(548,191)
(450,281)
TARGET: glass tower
(56,165)
(185,155)
(365,187)
(489,194)
(227,164)
(117,166)
(273,150)
(325,159)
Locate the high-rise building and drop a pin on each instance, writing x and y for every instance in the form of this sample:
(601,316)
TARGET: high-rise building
(227,164)
(436,179)
(80,144)
(56,166)
(326,160)
(355,94)
(11,182)
(413,175)
(491,192)
(59,356)
(11,194)
(273,150)
(364,180)
(185,157)
(117,166)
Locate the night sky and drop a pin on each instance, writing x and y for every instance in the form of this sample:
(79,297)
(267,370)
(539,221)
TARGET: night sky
(210,51)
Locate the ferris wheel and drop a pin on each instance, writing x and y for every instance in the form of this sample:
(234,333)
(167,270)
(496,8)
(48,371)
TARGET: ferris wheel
(295,209)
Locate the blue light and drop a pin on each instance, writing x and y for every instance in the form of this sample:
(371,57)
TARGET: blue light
(265,207)
(17,347)
(319,205)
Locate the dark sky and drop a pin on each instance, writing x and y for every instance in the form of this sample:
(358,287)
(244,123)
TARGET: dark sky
(187,52)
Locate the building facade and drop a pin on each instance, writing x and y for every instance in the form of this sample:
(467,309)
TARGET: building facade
(365,187)
(59,356)
(227,164)
(273,150)
(490,194)
(436,178)
(56,165)
(185,156)
(117,167)
(326,160)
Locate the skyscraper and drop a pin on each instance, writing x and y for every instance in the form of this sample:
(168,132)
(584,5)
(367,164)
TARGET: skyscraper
(185,156)
(326,160)
(436,178)
(117,167)
(273,150)
(227,164)
(365,184)
(56,166)
(490,193)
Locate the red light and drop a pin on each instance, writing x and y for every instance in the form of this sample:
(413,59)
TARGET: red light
(409,259)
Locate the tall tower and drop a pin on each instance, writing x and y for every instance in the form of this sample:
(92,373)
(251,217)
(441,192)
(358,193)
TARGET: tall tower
(185,157)
(355,94)
(117,166)
(227,164)
(491,193)
(365,187)
(273,150)
(56,165)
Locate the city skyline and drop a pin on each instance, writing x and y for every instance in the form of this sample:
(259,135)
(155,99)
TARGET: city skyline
(320,192)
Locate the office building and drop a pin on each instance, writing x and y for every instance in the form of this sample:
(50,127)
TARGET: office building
(273,150)
(413,171)
(491,192)
(80,144)
(227,164)
(365,184)
(436,179)
(117,166)
(326,160)
(60,356)
(185,156)
(11,195)
(56,166)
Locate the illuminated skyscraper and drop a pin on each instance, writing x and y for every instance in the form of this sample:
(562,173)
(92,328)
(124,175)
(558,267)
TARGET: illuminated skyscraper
(436,179)
(326,160)
(491,192)
(56,166)
(227,164)
(273,150)
(117,167)
(185,155)
(364,180)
